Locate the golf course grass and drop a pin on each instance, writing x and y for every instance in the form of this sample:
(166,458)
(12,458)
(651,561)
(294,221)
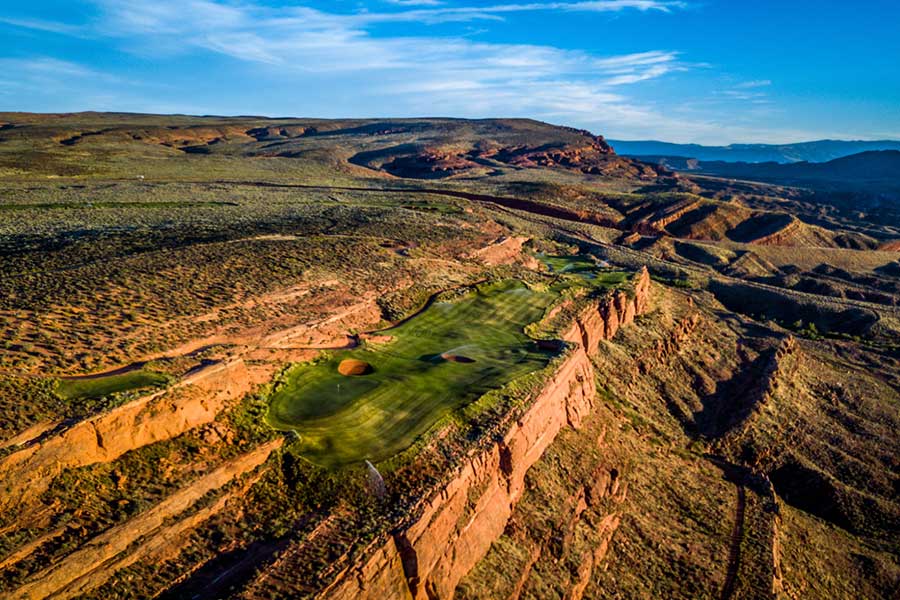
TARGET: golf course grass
(584,267)
(410,385)
(94,388)
(568,264)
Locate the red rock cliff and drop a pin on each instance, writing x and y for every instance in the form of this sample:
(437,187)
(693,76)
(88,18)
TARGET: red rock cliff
(193,401)
(455,527)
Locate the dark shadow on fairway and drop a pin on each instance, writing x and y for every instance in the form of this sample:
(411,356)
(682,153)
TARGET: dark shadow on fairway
(457,358)
(446,357)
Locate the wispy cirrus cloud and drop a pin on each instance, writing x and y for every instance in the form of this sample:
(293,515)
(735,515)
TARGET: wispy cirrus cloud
(141,15)
(51,75)
(415,2)
(759,83)
(344,62)
(307,39)
(42,25)
(753,92)
(444,14)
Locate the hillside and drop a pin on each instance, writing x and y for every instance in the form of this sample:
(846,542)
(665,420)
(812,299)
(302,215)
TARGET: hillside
(423,149)
(253,358)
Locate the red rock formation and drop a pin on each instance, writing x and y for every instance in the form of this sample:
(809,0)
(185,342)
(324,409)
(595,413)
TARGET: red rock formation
(591,559)
(453,529)
(781,237)
(194,401)
(504,251)
(589,154)
(430,164)
(601,321)
(279,132)
(673,213)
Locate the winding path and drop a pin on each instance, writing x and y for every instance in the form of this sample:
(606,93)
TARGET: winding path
(734,553)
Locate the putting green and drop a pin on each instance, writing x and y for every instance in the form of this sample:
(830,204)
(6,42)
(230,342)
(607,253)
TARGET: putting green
(343,419)
(585,268)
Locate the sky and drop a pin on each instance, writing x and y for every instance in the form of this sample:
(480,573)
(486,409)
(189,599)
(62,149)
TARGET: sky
(703,71)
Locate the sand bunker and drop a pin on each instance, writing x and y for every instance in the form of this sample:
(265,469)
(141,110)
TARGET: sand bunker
(457,358)
(353,368)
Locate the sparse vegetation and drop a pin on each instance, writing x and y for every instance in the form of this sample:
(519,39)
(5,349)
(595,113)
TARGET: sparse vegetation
(183,245)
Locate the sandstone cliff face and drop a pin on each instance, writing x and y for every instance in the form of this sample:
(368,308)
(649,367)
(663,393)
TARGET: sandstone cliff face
(195,400)
(677,211)
(454,528)
(601,321)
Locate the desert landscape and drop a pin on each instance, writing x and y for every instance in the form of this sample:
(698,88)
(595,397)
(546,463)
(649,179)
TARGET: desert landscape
(449,300)
(436,358)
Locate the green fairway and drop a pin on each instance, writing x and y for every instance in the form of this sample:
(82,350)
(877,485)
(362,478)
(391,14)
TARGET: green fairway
(576,263)
(342,419)
(584,267)
(100,387)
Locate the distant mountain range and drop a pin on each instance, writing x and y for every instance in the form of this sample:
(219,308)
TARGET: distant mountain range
(874,171)
(814,152)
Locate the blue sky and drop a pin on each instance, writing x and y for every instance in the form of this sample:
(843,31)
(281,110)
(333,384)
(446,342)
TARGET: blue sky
(707,71)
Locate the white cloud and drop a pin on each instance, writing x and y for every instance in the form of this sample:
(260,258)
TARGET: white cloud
(45,68)
(754,84)
(158,16)
(305,39)
(415,2)
(42,25)
(299,60)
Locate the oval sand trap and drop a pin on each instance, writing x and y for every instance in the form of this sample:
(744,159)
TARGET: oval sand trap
(352,367)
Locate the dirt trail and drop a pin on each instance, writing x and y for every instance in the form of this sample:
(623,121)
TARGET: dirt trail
(734,553)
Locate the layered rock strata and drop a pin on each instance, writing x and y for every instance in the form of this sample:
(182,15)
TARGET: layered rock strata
(193,401)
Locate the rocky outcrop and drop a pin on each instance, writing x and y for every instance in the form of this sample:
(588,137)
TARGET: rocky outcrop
(504,251)
(781,366)
(672,214)
(585,152)
(193,401)
(780,369)
(279,132)
(432,163)
(451,530)
(777,571)
(666,346)
(77,572)
(591,559)
(782,236)
(601,320)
